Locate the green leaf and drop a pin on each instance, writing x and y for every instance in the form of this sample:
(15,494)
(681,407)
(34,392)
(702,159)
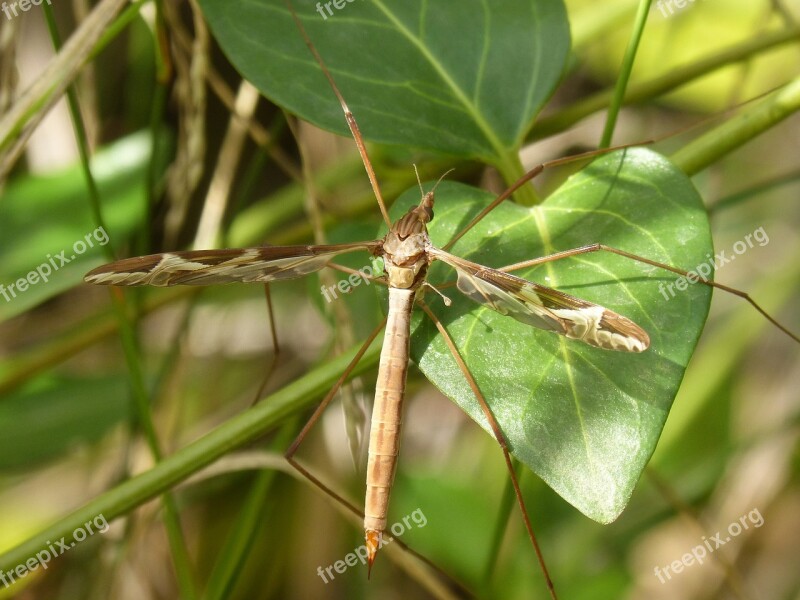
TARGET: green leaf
(48,419)
(584,419)
(466,78)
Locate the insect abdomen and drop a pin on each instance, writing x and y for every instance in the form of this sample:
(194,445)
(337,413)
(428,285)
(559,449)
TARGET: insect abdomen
(384,437)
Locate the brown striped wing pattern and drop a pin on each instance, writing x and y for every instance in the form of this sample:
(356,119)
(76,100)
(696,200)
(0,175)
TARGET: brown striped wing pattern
(211,267)
(545,308)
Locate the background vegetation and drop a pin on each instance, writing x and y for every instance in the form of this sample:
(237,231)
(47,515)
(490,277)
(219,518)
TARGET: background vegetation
(108,400)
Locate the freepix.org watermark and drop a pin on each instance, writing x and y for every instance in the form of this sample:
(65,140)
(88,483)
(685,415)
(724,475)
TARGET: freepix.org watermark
(12,9)
(699,552)
(325,9)
(54,549)
(361,553)
(669,7)
(345,286)
(704,269)
(43,272)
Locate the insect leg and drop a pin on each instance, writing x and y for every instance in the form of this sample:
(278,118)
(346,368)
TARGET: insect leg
(351,120)
(276,349)
(596,247)
(290,452)
(525,179)
(498,434)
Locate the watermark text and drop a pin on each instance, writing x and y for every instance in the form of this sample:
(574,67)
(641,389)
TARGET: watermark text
(54,549)
(361,553)
(11,10)
(704,269)
(324,8)
(43,272)
(699,553)
(669,7)
(345,286)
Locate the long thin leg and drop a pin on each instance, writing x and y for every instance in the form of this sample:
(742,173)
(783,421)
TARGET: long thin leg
(385,538)
(276,347)
(352,404)
(526,178)
(362,274)
(498,434)
(690,276)
(290,452)
(351,120)
(453,584)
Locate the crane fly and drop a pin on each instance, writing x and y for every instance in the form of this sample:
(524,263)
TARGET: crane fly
(407,253)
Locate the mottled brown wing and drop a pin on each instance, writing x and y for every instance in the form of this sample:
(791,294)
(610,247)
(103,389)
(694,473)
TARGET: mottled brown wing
(210,267)
(545,308)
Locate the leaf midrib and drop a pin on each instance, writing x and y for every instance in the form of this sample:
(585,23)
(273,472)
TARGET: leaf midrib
(457,92)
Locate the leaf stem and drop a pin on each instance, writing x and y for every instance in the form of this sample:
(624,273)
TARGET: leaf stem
(511,169)
(640,92)
(625,72)
(724,139)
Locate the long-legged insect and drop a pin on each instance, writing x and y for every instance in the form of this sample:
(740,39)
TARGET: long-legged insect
(407,252)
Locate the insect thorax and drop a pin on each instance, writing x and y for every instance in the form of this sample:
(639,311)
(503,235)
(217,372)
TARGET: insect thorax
(405,260)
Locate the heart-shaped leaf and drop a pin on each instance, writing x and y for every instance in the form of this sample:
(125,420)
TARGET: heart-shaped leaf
(466,78)
(584,419)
